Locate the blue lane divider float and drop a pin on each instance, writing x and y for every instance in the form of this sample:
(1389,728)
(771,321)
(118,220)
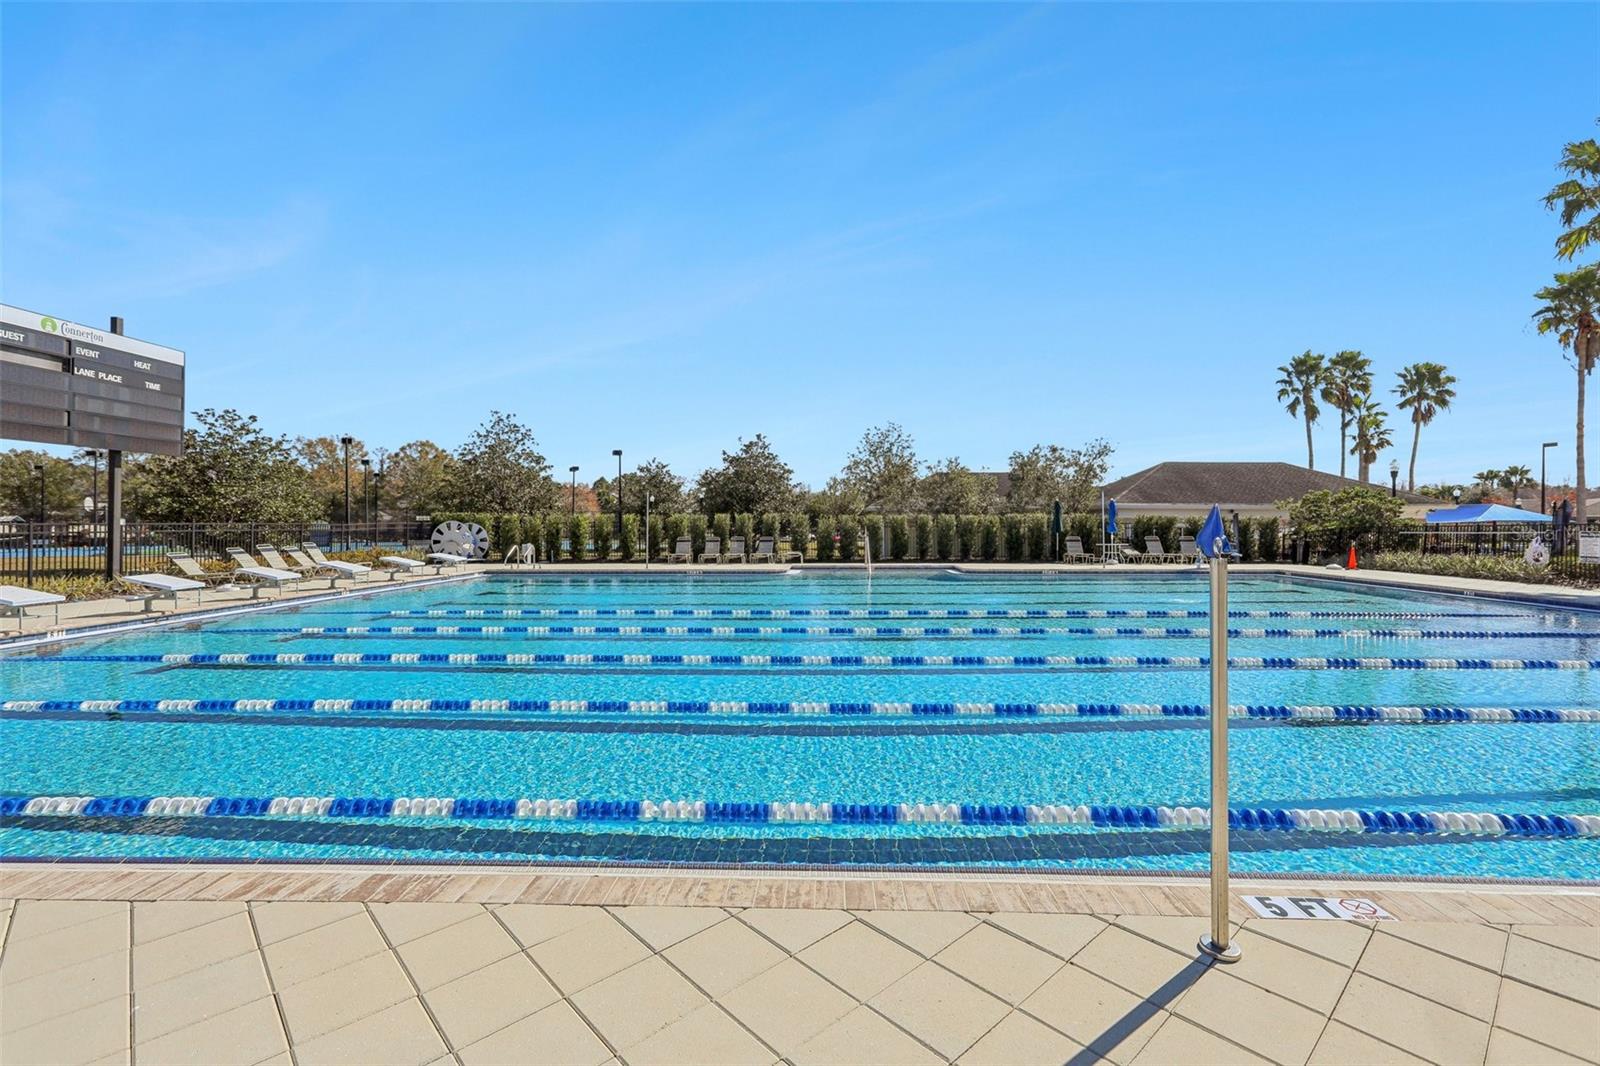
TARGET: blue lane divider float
(905,612)
(466,808)
(382,658)
(1170,632)
(1312,713)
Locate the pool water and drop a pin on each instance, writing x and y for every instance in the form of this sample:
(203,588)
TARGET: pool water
(985,694)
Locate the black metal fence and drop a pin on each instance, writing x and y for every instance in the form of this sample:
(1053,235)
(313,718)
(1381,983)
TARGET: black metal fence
(30,550)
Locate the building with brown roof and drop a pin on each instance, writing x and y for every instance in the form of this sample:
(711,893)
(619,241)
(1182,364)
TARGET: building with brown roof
(1251,489)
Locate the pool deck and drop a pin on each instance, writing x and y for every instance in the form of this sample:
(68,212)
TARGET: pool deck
(297,964)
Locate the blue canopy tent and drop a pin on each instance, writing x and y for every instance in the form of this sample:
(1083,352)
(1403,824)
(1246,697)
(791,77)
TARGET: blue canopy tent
(1474,513)
(1478,528)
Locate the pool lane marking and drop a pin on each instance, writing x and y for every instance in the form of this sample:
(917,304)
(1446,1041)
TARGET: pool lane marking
(1341,714)
(1136,632)
(466,808)
(879,612)
(502,659)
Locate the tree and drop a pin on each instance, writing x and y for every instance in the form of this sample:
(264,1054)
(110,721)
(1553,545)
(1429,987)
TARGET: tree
(1372,434)
(1570,309)
(1516,478)
(1577,198)
(65,485)
(950,487)
(1348,378)
(1046,473)
(837,497)
(1298,387)
(751,480)
(883,468)
(418,479)
(500,468)
(653,477)
(323,460)
(1425,390)
(1332,521)
(230,471)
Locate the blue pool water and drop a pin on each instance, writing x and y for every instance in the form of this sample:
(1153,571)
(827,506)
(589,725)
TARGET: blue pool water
(911,687)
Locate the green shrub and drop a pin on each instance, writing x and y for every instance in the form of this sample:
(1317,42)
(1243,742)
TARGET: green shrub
(1267,549)
(945,545)
(744,525)
(899,537)
(849,530)
(1332,521)
(967,532)
(1016,538)
(800,533)
(554,525)
(989,537)
(825,532)
(533,532)
(577,535)
(656,541)
(1247,546)
(674,527)
(507,534)
(628,543)
(1038,528)
(1490,567)
(697,535)
(722,527)
(771,525)
(922,548)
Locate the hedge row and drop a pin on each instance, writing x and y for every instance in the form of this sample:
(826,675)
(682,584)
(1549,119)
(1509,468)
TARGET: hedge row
(920,537)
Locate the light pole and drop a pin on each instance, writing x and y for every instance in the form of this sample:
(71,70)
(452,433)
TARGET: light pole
(1544,450)
(346,441)
(618,453)
(366,490)
(649,498)
(44,516)
(1394,477)
(574,472)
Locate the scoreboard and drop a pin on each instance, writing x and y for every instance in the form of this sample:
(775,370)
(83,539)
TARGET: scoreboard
(65,383)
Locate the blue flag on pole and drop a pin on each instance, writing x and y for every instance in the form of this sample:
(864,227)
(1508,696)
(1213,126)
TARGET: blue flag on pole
(1213,528)
(1111,516)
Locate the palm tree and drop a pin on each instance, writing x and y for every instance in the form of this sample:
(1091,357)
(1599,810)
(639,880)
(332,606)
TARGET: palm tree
(1425,388)
(1514,479)
(1571,307)
(1577,196)
(1372,434)
(1297,390)
(1349,377)
(1487,479)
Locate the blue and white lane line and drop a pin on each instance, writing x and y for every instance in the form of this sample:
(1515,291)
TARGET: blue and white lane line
(1155,632)
(1348,714)
(906,612)
(464,808)
(385,658)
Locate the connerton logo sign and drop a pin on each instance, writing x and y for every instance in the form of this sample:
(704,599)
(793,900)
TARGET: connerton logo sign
(66,383)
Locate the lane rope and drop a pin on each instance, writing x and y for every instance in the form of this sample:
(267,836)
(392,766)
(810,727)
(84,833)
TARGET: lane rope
(466,808)
(1171,632)
(1312,713)
(885,612)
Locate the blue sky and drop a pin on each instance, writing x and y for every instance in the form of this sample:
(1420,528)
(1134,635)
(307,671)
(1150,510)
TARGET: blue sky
(662,228)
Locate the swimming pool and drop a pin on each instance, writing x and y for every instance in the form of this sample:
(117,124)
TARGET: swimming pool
(915,718)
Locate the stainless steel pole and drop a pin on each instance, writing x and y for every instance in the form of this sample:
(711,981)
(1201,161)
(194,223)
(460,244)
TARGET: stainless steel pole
(1216,945)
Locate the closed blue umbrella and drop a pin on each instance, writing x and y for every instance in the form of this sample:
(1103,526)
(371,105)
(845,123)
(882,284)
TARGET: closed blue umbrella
(1111,517)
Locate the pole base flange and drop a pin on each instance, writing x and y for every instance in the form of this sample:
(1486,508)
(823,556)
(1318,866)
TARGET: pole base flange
(1209,948)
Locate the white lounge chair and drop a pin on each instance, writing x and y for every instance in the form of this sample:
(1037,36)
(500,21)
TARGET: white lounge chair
(190,567)
(163,587)
(682,551)
(1156,552)
(304,564)
(14,600)
(339,566)
(260,576)
(399,564)
(444,559)
(736,552)
(301,565)
(713,550)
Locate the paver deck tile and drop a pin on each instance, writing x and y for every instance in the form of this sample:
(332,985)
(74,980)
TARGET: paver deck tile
(321,949)
(400,1035)
(662,927)
(1467,988)
(925,932)
(631,1005)
(1292,973)
(1063,935)
(555,1035)
(237,1037)
(35,917)
(476,1005)
(1481,945)
(152,921)
(1549,1019)
(725,956)
(577,959)
(30,1000)
(860,960)
(1021,1040)
(339,997)
(946,1012)
(535,923)
(68,946)
(1411,1022)
(1000,963)
(1584,940)
(863,1038)
(1340,942)
(1342,1046)
(1508,1049)
(706,1036)
(787,1005)
(1269,1025)
(1138,965)
(1110,1021)
(405,922)
(280,920)
(80,1035)
(1554,969)
(1182,1041)
(794,928)
(456,950)
(198,995)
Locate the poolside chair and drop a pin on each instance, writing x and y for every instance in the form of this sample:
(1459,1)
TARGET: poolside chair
(1128,552)
(682,551)
(304,564)
(162,587)
(399,564)
(1188,550)
(1156,552)
(444,559)
(1072,551)
(344,569)
(260,576)
(736,552)
(190,567)
(766,550)
(15,600)
(713,550)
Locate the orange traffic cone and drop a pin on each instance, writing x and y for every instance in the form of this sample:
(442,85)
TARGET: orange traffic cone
(1350,563)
